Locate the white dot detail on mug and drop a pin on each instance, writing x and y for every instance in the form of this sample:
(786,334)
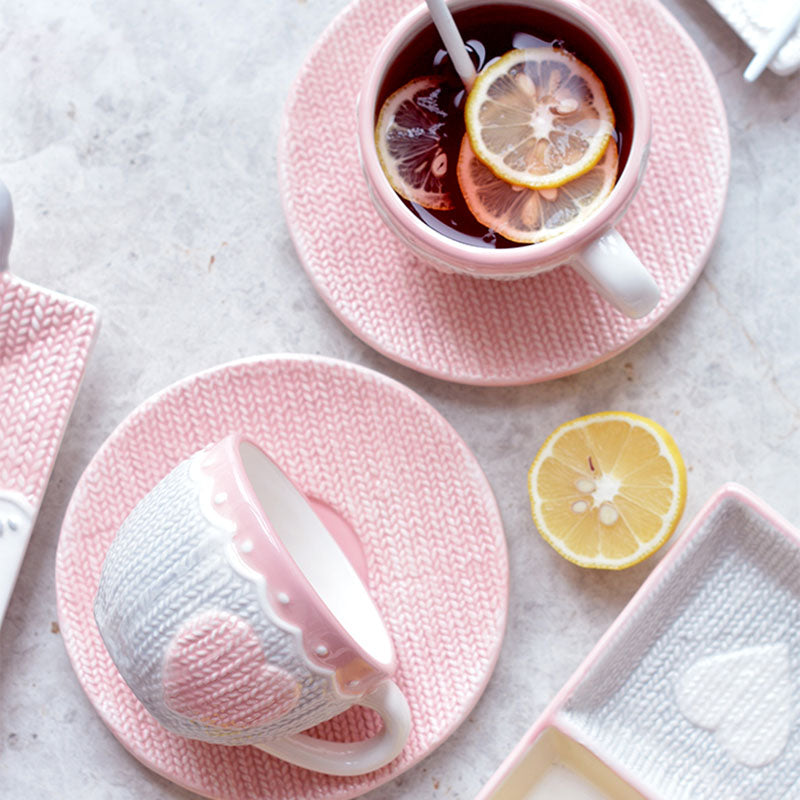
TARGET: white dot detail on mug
(247,546)
(220,498)
(321,650)
(283,598)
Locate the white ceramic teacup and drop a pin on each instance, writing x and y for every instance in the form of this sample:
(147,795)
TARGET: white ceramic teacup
(594,249)
(236,618)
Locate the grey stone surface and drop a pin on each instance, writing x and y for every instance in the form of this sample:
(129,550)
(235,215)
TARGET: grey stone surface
(138,140)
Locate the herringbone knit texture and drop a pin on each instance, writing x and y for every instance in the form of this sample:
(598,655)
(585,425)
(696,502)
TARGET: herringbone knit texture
(44,343)
(166,567)
(497,332)
(394,468)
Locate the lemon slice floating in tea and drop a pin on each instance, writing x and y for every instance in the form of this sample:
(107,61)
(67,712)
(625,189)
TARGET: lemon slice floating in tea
(408,138)
(608,489)
(533,215)
(538,117)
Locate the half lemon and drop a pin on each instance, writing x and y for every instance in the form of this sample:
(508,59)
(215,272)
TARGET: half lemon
(607,490)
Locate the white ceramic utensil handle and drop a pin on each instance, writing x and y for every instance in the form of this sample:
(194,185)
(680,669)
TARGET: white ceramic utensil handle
(6,225)
(352,758)
(16,522)
(16,514)
(610,266)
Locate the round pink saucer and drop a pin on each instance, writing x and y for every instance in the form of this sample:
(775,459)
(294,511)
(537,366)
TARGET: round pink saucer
(386,462)
(491,332)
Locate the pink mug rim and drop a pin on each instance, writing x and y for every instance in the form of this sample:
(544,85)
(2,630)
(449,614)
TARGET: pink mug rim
(525,259)
(309,609)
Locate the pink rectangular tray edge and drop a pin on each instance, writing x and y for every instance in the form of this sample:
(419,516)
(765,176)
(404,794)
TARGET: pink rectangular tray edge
(549,717)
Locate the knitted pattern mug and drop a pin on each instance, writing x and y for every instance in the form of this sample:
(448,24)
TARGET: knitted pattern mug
(235,617)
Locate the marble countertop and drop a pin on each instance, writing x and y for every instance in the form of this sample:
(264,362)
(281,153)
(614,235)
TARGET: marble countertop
(139,143)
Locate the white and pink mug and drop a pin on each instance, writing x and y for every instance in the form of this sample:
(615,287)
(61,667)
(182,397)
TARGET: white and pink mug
(594,248)
(236,618)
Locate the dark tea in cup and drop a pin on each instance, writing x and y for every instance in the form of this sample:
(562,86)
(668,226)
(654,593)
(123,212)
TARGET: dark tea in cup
(592,87)
(561,73)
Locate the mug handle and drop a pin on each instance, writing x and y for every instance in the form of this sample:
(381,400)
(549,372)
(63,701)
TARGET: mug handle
(352,758)
(612,269)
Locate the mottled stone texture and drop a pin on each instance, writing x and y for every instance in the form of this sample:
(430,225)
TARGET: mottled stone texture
(138,140)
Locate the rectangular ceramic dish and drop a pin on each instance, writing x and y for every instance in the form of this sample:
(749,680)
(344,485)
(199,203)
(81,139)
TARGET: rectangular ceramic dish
(690,694)
(45,340)
(754,20)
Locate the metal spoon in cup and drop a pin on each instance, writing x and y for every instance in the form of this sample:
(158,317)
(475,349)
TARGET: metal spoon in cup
(454,44)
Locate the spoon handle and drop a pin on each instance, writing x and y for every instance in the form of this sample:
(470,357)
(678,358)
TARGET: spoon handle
(445,24)
(777,38)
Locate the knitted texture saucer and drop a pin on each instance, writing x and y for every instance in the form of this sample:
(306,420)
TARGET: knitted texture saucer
(390,465)
(482,331)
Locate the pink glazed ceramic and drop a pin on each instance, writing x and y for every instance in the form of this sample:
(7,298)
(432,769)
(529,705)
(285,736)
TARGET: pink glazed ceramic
(425,522)
(236,618)
(45,342)
(595,250)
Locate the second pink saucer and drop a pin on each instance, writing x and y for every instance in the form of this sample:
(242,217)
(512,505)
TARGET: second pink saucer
(382,461)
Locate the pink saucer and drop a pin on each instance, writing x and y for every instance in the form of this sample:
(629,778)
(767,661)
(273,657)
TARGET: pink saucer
(490,332)
(384,460)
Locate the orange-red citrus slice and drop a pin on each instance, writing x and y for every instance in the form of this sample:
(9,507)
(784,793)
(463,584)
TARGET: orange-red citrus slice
(538,117)
(533,215)
(607,490)
(408,138)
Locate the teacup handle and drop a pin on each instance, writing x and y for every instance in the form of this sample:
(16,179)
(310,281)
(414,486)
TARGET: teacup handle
(352,758)
(610,266)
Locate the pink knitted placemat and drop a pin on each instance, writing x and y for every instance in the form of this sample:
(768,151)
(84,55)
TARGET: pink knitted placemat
(384,459)
(490,332)
(45,339)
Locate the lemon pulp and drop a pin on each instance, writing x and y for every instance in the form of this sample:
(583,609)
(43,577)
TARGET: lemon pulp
(607,490)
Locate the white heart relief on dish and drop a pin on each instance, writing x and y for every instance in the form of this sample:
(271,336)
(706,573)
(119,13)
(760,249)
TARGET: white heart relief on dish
(745,696)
